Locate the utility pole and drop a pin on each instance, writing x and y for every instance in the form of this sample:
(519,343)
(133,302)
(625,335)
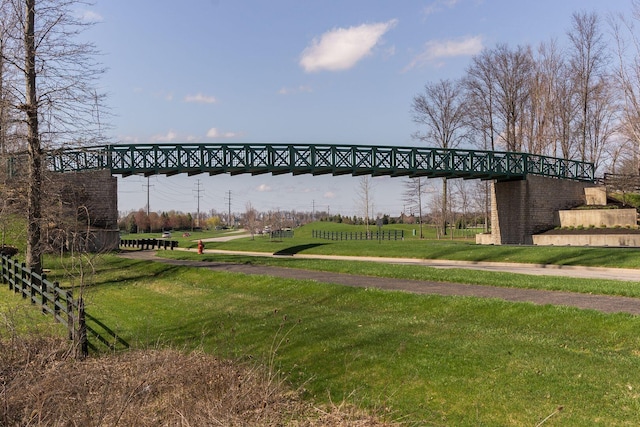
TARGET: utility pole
(313,212)
(198,191)
(148,203)
(229,198)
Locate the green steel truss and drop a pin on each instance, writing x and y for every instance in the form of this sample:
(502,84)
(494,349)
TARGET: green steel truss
(171,159)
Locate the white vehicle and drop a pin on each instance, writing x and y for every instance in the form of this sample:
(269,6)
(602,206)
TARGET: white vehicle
(166,234)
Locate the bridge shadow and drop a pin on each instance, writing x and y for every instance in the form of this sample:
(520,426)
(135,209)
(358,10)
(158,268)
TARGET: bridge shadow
(297,249)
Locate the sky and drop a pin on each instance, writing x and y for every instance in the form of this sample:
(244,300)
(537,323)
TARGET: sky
(292,71)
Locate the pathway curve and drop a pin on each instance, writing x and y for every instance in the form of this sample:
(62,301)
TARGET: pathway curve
(603,303)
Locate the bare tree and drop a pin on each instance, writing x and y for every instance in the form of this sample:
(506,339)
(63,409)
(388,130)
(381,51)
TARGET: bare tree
(627,78)
(441,111)
(463,194)
(58,102)
(604,123)
(479,86)
(365,200)
(588,59)
(513,69)
(564,113)
(540,135)
(415,190)
(481,200)
(251,219)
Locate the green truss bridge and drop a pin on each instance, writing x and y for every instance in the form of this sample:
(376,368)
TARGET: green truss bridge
(172,159)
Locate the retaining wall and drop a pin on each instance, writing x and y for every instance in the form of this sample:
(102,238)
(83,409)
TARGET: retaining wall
(599,218)
(632,240)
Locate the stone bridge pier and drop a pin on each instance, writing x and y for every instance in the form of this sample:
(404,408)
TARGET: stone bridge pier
(82,211)
(529,206)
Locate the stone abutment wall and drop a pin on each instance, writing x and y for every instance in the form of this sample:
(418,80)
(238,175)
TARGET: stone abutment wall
(82,211)
(522,208)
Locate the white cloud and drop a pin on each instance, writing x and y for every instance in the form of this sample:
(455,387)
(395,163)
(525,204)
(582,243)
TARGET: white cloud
(215,133)
(329,195)
(127,139)
(88,16)
(435,50)
(437,6)
(170,136)
(294,90)
(200,99)
(263,188)
(342,48)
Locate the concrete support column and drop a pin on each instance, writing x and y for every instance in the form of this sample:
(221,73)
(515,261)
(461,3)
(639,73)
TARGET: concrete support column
(522,208)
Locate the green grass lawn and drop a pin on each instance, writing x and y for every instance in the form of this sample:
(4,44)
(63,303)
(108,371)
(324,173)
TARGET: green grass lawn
(431,248)
(424,360)
(418,272)
(444,249)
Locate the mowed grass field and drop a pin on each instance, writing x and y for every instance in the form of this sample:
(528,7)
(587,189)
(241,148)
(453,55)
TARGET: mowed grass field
(419,360)
(459,246)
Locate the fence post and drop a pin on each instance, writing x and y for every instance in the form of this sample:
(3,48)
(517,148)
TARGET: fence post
(15,276)
(70,322)
(32,287)
(43,292)
(4,264)
(82,347)
(8,272)
(56,299)
(23,279)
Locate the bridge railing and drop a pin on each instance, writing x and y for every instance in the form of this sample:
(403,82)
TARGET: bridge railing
(170,159)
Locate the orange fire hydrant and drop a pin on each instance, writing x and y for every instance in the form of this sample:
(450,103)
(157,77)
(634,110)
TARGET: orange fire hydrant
(200,247)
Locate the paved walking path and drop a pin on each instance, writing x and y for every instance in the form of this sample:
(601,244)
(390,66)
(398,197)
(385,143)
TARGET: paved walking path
(604,303)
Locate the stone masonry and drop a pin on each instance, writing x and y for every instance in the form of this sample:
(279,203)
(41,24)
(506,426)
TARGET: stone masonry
(82,210)
(526,207)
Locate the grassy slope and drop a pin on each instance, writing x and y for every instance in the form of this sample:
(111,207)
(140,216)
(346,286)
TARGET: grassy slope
(415,272)
(431,360)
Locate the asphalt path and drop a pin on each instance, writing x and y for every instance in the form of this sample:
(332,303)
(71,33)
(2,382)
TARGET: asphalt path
(603,303)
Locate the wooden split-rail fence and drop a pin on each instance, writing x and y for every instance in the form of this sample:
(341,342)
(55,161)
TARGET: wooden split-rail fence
(60,303)
(149,244)
(358,235)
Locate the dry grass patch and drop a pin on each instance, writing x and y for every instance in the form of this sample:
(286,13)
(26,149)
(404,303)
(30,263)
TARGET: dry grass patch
(42,385)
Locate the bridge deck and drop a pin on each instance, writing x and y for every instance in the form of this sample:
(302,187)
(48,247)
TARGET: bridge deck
(171,159)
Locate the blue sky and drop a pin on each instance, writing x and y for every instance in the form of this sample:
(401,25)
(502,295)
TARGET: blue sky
(324,71)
